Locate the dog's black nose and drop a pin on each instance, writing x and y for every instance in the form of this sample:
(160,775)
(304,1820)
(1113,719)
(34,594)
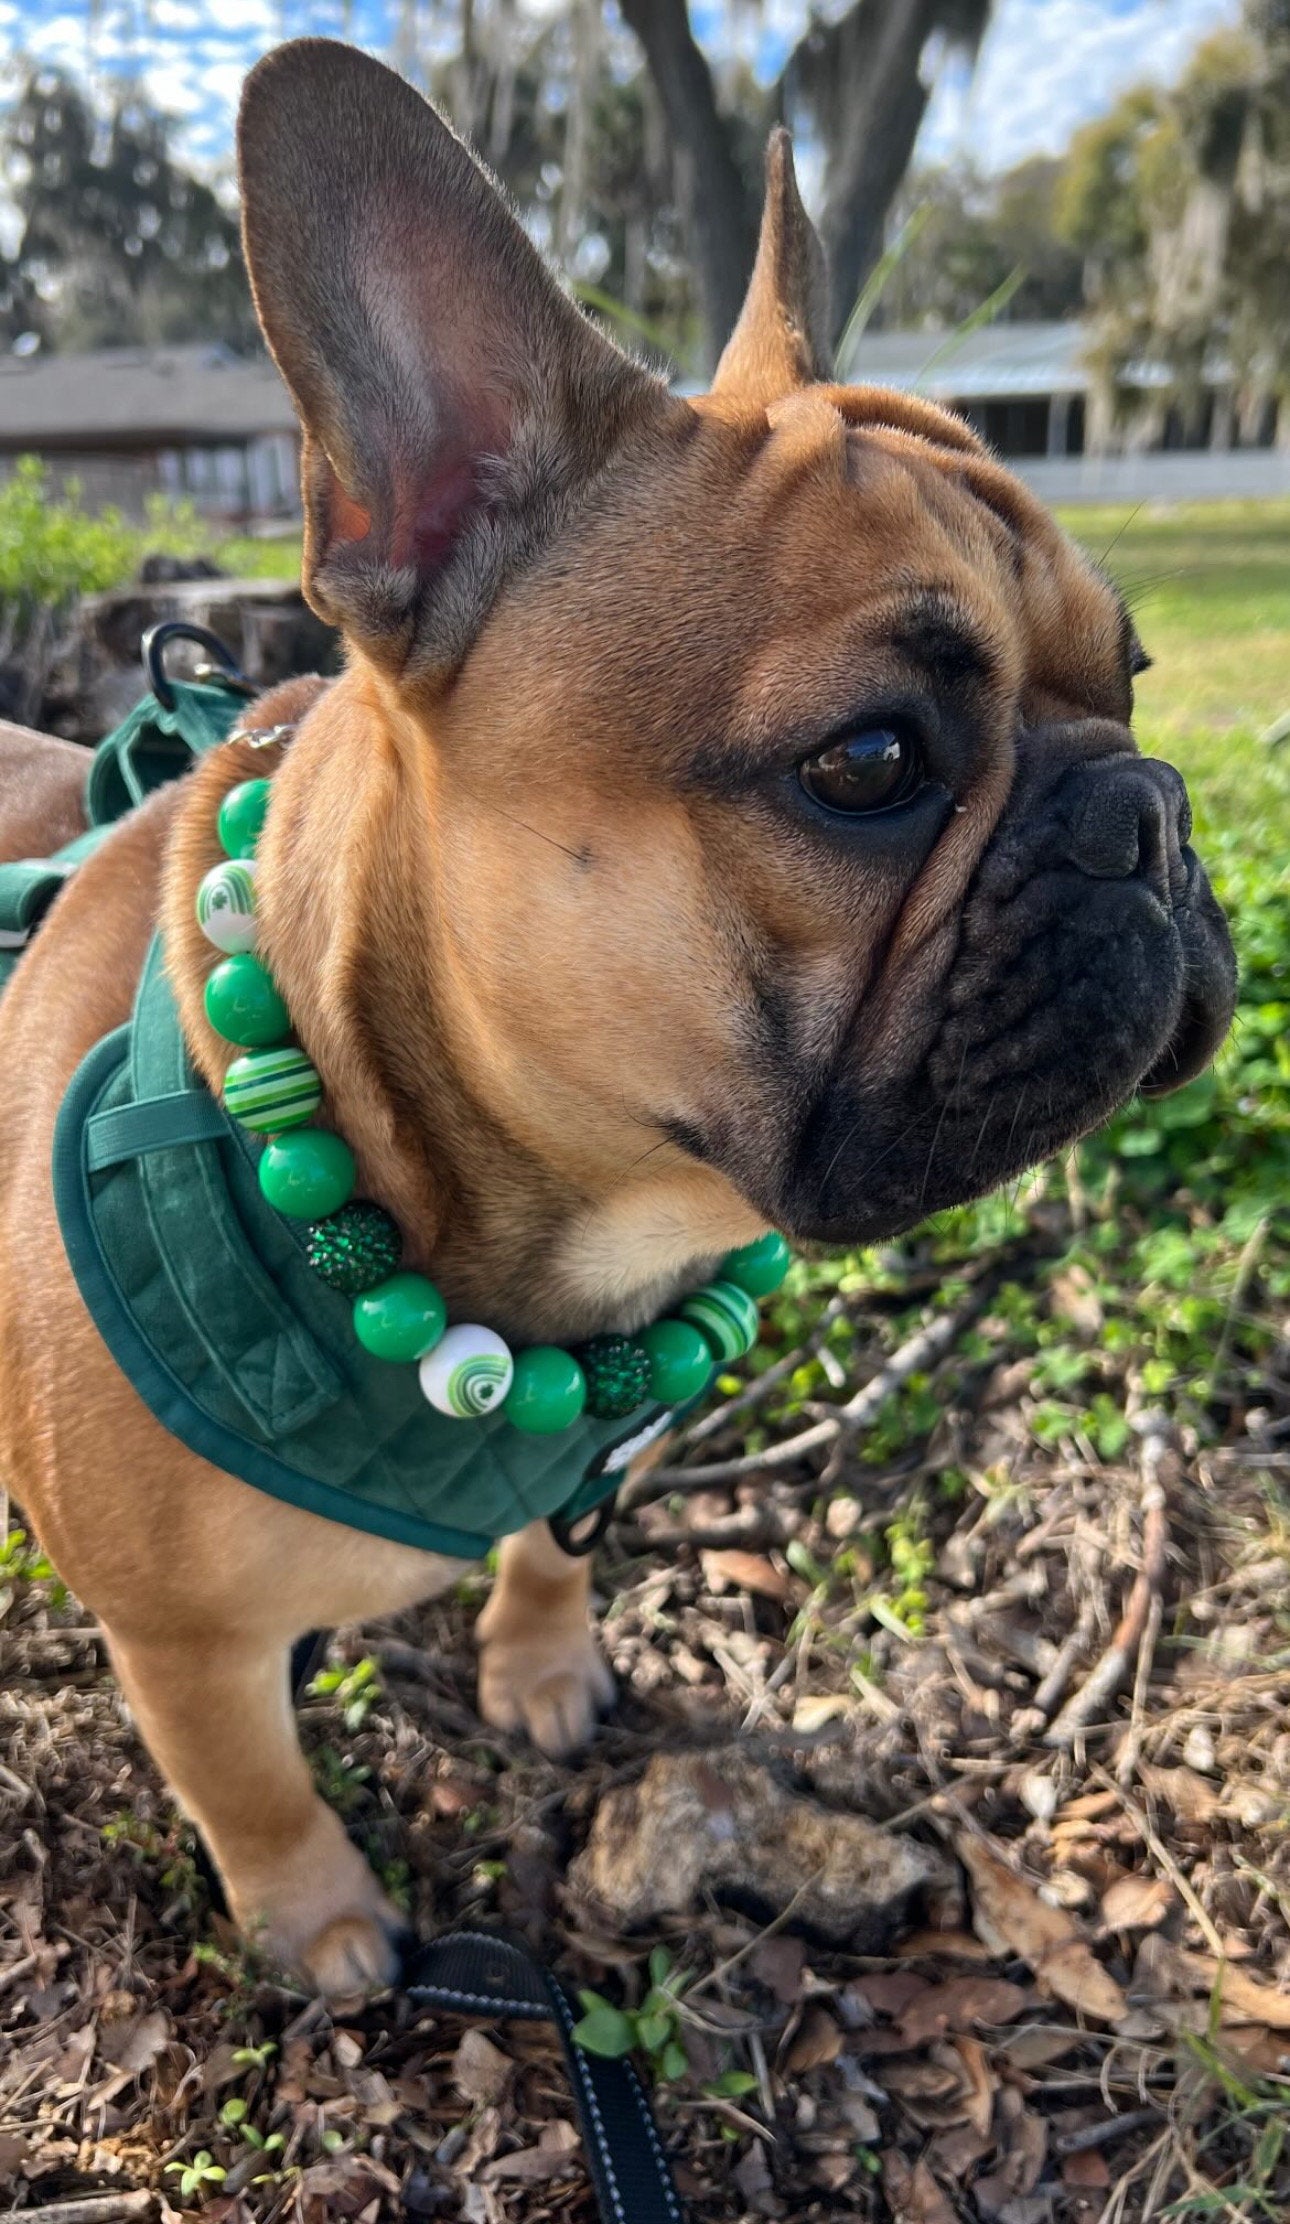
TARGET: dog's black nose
(1131,818)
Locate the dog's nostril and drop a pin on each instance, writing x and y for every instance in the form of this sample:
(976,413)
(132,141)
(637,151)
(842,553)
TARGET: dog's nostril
(1133,824)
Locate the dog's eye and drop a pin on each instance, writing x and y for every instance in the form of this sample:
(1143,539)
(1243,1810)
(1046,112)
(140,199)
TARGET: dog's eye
(869,769)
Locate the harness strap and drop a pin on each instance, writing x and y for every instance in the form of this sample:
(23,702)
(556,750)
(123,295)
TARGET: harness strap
(158,1124)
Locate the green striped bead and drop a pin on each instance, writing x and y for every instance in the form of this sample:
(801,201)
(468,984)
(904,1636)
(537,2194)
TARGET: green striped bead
(758,1267)
(725,1316)
(269,1090)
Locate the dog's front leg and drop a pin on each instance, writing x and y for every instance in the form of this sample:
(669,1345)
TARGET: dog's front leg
(216,1712)
(540,1668)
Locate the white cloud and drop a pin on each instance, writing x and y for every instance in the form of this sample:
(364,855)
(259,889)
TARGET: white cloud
(1047,66)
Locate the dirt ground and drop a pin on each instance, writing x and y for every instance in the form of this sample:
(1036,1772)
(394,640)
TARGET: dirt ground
(1068,1682)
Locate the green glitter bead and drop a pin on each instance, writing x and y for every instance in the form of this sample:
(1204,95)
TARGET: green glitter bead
(243,1004)
(726,1316)
(617,1373)
(548,1390)
(355,1248)
(241,817)
(269,1090)
(401,1319)
(680,1364)
(757,1267)
(308,1174)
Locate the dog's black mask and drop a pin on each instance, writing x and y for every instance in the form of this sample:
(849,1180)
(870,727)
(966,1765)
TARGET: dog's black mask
(1091,959)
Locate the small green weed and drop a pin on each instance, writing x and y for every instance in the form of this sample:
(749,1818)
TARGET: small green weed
(355,1690)
(653,2029)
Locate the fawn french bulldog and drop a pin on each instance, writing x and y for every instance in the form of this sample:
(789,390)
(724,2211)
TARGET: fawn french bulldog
(728,818)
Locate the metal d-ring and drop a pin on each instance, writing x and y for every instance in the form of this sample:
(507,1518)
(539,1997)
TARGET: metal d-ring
(580,1534)
(229,673)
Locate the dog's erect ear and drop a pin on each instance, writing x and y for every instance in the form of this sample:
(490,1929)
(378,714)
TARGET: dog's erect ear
(781,341)
(453,399)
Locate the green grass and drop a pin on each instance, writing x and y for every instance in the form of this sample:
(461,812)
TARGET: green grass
(1210,589)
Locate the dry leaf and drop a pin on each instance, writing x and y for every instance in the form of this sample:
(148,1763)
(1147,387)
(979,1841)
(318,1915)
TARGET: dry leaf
(979,2083)
(1191,1798)
(955,1945)
(888,1992)
(133,2045)
(777,1962)
(1087,2171)
(480,2070)
(816,2040)
(813,1712)
(1038,2044)
(747,1571)
(1088,1806)
(557,2143)
(913,2196)
(1012,1919)
(956,2149)
(1244,1999)
(1137,1903)
(919,2082)
(958,2004)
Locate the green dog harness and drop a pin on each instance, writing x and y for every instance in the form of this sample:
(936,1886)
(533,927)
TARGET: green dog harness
(203,1293)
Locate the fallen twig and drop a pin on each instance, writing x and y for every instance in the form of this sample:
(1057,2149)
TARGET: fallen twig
(1108,1673)
(95,2208)
(917,1352)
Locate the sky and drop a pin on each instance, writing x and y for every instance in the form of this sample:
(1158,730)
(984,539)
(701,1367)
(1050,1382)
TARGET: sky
(1046,65)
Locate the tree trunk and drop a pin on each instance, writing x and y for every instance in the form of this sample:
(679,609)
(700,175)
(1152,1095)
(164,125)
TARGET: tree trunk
(718,210)
(860,77)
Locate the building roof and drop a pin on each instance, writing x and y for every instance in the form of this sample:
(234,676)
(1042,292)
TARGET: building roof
(999,360)
(139,397)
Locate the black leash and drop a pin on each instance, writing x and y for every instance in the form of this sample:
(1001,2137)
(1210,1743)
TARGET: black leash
(483,1974)
(475,1973)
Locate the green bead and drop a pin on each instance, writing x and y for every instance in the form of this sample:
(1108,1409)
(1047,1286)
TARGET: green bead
(680,1364)
(726,1316)
(617,1373)
(269,1090)
(243,1004)
(401,1319)
(757,1267)
(354,1249)
(548,1390)
(241,817)
(307,1174)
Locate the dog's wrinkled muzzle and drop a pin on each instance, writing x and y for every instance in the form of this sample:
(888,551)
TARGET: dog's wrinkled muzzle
(1090,959)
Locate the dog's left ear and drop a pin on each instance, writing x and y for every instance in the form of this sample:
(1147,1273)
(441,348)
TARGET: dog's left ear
(781,341)
(454,401)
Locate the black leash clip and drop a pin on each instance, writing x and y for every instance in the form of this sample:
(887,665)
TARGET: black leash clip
(223,665)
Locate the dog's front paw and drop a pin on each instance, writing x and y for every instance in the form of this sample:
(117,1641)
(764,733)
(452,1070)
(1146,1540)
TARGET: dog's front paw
(551,1685)
(324,1917)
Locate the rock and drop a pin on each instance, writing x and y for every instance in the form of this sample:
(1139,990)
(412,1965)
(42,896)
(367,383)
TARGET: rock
(720,1821)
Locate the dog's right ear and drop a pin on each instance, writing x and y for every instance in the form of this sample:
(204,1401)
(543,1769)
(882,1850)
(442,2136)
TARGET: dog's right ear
(453,400)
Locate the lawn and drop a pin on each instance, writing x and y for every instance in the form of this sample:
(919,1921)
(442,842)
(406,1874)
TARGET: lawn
(1210,590)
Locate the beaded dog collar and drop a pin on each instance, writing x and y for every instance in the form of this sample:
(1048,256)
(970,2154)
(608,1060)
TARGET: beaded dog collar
(308,1173)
